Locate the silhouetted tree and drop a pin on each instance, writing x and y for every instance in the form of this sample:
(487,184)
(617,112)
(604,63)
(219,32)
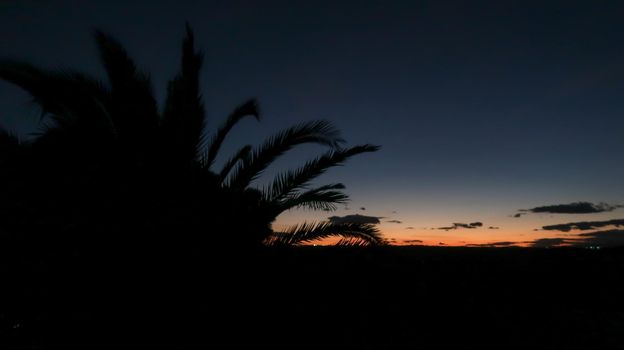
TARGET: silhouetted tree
(108,163)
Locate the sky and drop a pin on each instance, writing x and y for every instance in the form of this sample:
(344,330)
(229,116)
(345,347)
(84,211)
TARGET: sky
(482,108)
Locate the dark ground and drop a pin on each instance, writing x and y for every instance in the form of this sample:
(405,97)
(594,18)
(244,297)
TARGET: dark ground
(313,297)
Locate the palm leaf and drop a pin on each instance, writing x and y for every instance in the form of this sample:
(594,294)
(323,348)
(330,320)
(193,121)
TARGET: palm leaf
(134,110)
(322,198)
(368,234)
(249,108)
(350,242)
(72,101)
(286,183)
(241,155)
(319,132)
(183,116)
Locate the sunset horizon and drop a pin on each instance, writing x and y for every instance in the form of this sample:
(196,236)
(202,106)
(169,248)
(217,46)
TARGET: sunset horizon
(500,110)
(527,230)
(283,174)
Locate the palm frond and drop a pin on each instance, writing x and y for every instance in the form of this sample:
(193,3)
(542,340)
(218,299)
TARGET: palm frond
(70,99)
(368,234)
(134,110)
(322,198)
(241,155)
(319,132)
(350,242)
(247,109)
(183,120)
(38,83)
(286,184)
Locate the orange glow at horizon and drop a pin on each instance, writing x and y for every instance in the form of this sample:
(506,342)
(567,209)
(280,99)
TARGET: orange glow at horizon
(405,230)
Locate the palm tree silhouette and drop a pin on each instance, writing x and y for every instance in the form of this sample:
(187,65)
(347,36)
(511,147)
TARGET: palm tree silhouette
(108,160)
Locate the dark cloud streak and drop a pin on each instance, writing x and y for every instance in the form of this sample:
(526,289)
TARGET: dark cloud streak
(355,218)
(494,244)
(603,239)
(584,225)
(411,241)
(457,225)
(572,208)
(608,238)
(550,242)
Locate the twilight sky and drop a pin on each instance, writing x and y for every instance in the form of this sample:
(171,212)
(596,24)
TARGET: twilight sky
(481,109)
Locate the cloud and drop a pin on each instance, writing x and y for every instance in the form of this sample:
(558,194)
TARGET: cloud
(494,244)
(549,242)
(457,225)
(493,228)
(411,241)
(504,244)
(607,238)
(395,221)
(518,215)
(362,208)
(572,208)
(583,225)
(355,218)
(409,228)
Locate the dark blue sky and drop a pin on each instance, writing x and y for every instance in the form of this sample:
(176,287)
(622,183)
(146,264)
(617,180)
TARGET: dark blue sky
(482,108)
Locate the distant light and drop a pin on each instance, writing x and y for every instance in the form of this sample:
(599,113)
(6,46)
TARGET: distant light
(315,245)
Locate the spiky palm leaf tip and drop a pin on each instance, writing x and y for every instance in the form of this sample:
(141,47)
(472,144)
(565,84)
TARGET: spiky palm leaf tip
(287,184)
(319,132)
(363,234)
(183,118)
(247,109)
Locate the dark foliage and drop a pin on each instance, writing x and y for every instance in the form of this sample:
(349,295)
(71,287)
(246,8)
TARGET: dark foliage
(109,168)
